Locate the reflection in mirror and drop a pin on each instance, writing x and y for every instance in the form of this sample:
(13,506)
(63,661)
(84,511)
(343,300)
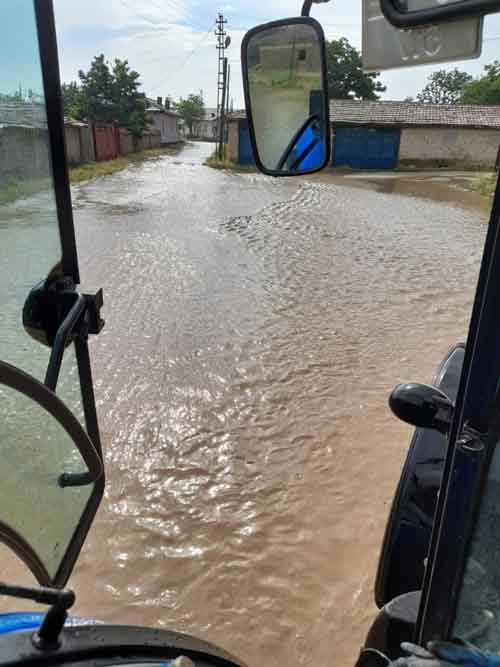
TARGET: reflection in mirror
(39,514)
(287,96)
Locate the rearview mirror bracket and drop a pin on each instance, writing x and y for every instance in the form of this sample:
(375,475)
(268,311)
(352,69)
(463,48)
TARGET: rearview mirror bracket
(451,12)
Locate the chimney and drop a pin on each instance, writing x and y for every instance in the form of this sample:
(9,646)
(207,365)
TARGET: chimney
(159,101)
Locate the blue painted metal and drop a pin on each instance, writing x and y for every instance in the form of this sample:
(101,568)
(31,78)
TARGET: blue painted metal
(366,148)
(245,153)
(10,623)
(25,622)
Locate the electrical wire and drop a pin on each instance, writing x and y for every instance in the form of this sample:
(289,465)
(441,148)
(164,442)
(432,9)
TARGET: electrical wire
(185,62)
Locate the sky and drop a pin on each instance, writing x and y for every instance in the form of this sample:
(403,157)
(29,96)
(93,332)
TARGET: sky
(171,43)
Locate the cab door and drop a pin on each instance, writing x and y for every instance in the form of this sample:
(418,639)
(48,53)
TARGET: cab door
(44,320)
(461,594)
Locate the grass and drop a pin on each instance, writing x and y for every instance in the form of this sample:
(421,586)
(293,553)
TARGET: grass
(10,192)
(215,163)
(91,170)
(485,185)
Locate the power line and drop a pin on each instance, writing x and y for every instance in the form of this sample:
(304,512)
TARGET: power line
(188,58)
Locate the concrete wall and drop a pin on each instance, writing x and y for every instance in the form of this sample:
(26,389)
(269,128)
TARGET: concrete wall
(24,154)
(166,124)
(449,144)
(79,144)
(233,140)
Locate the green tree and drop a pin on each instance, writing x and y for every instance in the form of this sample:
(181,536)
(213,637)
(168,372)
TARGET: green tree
(108,94)
(346,78)
(73,101)
(97,87)
(445,87)
(486,89)
(129,105)
(191,109)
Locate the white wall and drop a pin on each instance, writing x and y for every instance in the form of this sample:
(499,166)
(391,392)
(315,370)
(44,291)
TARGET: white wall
(454,144)
(166,124)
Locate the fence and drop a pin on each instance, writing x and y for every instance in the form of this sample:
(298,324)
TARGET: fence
(106,142)
(24,154)
(79,143)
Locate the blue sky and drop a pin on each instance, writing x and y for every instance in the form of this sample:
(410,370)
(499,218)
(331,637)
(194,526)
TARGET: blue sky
(19,57)
(171,42)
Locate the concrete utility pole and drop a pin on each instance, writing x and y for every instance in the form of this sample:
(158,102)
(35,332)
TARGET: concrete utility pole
(222,121)
(223,42)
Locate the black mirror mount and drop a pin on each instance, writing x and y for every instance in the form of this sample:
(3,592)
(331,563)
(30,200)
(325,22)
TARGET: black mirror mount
(307,6)
(397,12)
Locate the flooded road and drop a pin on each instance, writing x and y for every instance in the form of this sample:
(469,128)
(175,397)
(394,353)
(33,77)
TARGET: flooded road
(254,330)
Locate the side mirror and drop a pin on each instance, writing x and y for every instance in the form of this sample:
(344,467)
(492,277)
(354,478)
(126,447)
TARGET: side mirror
(422,405)
(286,96)
(413,13)
(51,476)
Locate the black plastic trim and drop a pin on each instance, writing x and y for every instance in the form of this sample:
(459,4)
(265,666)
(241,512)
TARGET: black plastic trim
(451,12)
(91,643)
(44,12)
(299,20)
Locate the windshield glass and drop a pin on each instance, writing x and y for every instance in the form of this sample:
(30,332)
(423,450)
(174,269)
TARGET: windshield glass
(478,611)
(30,246)
(35,451)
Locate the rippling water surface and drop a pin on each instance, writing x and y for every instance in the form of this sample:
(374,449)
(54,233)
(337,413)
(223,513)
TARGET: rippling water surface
(254,330)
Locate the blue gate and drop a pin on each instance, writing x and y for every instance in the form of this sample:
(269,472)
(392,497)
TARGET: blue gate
(245,152)
(366,148)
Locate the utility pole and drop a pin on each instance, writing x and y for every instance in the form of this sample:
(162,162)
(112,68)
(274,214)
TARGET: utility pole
(223,41)
(222,123)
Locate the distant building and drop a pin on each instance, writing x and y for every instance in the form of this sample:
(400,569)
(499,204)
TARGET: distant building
(206,128)
(387,135)
(164,120)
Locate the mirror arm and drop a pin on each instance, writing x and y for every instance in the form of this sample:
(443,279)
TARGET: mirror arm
(60,601)
(62,340)
(307,6)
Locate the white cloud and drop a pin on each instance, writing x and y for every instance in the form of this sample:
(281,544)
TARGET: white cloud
(171,42)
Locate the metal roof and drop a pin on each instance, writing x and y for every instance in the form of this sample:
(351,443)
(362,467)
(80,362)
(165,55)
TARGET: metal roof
(408,114)
(411,114)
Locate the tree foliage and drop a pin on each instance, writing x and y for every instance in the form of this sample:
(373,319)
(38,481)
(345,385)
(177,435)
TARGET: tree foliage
(108,94)
(346,78)
(445,87)
(485,89)
(191,109)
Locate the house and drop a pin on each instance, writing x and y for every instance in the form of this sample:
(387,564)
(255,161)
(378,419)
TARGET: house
(164,120)
(205,128)
(385,135)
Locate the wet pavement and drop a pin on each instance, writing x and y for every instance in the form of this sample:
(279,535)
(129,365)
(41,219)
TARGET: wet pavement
(255,328)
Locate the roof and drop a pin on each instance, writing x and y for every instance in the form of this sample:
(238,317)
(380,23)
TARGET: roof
(408,114)
(154,107)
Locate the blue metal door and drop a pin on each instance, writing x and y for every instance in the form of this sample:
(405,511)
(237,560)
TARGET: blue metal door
(366,148)
(245,153)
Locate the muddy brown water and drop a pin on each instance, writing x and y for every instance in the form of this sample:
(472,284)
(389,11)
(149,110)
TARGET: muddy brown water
(255,328)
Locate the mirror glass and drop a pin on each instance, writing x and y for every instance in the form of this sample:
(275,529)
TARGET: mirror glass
(39,514)
(287,97)
(30,245)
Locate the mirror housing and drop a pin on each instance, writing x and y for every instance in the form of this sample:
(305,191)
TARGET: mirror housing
(400,14)
(423,406)
(286,96)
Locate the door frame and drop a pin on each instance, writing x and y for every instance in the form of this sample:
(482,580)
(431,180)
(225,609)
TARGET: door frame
(477,413)
(49,59)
